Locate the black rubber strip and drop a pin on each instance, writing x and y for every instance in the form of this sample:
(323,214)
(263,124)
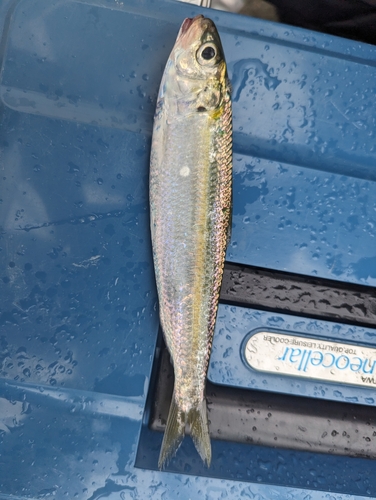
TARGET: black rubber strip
(295,294)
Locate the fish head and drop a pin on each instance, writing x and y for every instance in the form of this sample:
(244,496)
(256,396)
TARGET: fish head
(198,64)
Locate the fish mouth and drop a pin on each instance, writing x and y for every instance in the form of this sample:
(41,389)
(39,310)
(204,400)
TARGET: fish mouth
(187,23)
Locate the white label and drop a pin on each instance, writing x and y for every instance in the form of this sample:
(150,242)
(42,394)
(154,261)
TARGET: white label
(314,359)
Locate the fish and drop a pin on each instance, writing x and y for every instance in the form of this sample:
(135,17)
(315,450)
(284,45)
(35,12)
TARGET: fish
(190,218)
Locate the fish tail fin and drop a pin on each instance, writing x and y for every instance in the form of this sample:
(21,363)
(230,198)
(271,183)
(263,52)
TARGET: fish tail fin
(174,434)
(198,421)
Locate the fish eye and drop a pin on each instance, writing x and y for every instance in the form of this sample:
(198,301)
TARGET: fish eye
(207,53)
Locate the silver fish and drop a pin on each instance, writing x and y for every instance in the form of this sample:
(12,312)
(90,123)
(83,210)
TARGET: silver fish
(190,204)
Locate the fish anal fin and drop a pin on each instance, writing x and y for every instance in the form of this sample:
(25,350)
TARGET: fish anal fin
(174,434)
(198,422)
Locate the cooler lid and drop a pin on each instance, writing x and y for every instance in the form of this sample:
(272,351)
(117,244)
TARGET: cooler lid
(78,316)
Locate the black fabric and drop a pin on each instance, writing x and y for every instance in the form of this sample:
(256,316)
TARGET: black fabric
(355,19)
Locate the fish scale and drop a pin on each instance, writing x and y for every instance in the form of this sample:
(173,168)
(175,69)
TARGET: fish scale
(190,201)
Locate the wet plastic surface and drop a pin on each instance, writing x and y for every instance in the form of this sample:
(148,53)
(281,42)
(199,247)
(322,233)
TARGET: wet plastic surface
(78,317)
(235,325)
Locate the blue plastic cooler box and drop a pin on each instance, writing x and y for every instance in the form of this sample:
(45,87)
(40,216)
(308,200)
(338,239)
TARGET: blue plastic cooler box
(85,379)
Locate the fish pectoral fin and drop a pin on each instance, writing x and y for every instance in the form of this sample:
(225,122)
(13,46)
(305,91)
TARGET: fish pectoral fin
(198,421)
(174,434)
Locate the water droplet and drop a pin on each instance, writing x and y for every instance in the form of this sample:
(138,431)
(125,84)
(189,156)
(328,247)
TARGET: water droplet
(228,352)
